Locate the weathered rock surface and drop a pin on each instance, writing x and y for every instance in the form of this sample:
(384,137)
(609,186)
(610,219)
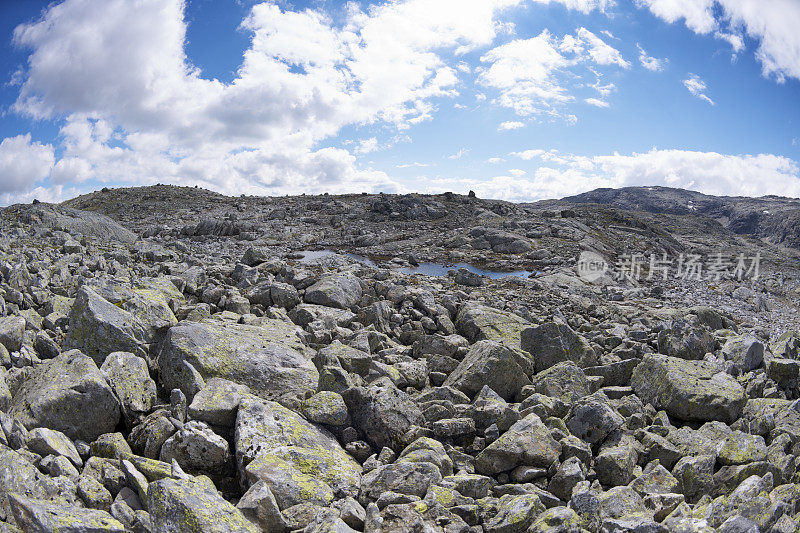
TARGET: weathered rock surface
(688,390)
(270,359)
(555,342)
(268,434)
(68,394)
(187,505)
(341,291)
(488,363)
(233,375)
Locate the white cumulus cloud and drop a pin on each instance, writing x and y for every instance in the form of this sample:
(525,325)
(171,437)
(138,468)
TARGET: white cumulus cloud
(773,23)
(23,163)
(137,111)
(534,77)
(706,172)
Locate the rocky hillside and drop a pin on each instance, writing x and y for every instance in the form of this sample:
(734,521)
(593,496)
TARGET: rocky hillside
(172,361)
(771,217)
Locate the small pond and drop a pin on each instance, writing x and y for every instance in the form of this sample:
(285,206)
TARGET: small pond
(426,269)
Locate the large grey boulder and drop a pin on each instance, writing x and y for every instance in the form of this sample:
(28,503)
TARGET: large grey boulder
(428,450)
(68,394)
(383,413)
(564,381)
(527,443)
(270,359)
(196,448)
(787,346)
(112,317)
(591,419)
(478,322)
(12,330)
(259,506)
(37,515)
(555,342)
(131,382)
(288,483)
(269,437)
(20,477)
(515,514)
(688,390)
(59,217)
(217,402)
(491,364)
(46,441)
(342,291)
(401,477)
(746,353)
(189,505)
(686,339)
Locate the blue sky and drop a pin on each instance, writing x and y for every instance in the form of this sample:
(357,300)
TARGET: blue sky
(515,99)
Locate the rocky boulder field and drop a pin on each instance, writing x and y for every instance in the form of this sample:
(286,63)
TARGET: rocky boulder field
(173,360)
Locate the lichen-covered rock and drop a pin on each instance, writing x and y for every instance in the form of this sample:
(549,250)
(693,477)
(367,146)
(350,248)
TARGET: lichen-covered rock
(489,408)
(528,442)
(93,494)
(515,514)
(131,382)
(686,339)
(68,394)
(270,359)
(491,364)
(326,407)
(427,450)
(12,330)
(259,506)
(591,419)
(342,291)
(114,317)
(151,433)
(383,413)
(190,505)
(695,475)
(401,477)
(616,460)
(217,402)
(196,448)
(740,448)
(18,476)
(555,342)
(746,353)
(100,327)
(36,515)
(562,380)
(46,441)
(787,346)
(688,390)
(264,427)
(479,322)
(556,519)
(287,482)
(655,480)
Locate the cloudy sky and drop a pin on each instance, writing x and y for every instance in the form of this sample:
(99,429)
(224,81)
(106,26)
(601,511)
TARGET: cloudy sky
(515,99)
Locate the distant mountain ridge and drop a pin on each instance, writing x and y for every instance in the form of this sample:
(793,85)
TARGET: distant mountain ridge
(772,217)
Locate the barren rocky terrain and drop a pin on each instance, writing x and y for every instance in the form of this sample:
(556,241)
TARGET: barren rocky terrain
(176,360)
